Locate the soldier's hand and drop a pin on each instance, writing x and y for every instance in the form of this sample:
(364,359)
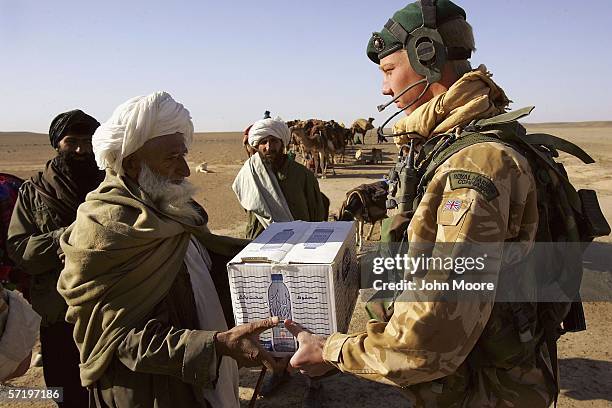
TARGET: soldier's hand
(309,356)
(242,344)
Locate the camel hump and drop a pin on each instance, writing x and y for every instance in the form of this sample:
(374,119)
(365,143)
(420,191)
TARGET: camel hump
(364,124)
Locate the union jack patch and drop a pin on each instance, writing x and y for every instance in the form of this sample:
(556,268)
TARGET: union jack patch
(453,205)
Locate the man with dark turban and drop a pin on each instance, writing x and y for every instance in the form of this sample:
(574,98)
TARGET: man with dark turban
(45,206)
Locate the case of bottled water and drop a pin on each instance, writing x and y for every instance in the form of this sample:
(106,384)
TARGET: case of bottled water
(304,271)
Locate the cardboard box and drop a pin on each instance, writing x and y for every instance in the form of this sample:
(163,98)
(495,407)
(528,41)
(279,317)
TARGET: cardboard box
(306,271)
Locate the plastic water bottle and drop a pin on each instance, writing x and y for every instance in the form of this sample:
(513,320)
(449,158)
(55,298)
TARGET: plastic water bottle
(280,305)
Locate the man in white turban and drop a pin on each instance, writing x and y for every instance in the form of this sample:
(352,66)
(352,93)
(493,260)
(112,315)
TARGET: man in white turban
(273,188)
(144,277)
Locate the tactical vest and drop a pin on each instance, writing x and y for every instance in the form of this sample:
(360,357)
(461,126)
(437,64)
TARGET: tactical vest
(515,331)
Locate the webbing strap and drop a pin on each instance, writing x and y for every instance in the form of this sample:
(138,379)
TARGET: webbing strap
(456,146)
(559,144)
(520,138)
(397,30)
(507,117)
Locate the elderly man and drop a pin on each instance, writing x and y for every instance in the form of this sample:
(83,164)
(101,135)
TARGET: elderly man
(472,352)
(140,273)
(45,206)
(272,188)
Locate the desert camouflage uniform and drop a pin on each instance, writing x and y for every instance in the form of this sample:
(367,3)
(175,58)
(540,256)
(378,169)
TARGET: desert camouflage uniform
(426,347)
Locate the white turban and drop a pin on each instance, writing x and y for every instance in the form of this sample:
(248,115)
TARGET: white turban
(135,122)
(269,127)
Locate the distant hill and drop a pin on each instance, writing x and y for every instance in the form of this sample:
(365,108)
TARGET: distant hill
(26,134)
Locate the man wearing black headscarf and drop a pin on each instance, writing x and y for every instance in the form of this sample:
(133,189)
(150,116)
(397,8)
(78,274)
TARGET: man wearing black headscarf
(46,205)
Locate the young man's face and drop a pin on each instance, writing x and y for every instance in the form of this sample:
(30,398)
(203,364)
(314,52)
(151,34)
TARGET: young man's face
(397,76)
(271,148)
(76,146)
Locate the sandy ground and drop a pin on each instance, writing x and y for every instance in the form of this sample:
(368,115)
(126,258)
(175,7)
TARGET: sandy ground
(585,358)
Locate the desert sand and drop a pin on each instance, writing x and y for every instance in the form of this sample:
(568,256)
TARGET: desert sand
(585,358)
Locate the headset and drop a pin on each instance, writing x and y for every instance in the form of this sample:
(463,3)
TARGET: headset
(426,52)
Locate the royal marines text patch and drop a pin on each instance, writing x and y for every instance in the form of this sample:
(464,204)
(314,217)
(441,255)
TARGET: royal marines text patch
(475,181)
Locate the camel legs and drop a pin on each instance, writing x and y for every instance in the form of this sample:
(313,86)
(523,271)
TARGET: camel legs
(332,161)
(323,160)
(369,236)
(316,158)
(359,234)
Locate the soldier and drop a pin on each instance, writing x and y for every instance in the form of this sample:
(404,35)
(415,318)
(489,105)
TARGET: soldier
(446,354)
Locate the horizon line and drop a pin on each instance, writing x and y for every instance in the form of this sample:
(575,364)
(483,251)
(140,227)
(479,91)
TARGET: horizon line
(579,122)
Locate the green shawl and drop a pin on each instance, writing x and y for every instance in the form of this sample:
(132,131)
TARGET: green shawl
(122,256)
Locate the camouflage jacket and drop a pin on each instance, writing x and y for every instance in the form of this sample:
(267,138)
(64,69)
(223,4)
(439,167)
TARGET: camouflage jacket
(425,347)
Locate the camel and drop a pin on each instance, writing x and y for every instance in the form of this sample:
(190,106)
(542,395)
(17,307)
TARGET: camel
(328,149)
(319,141)
(337,135)
(361,126)
(311,144)
(374,157)
(365,204)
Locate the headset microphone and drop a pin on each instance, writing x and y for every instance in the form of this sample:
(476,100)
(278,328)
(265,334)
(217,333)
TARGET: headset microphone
(380,131)
(409,87)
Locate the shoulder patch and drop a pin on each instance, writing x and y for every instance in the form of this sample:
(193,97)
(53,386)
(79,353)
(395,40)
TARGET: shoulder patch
(475,181)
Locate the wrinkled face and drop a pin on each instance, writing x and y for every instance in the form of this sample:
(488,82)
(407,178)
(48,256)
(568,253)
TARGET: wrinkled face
(76,146)
(271,148)
(165,156)
(397,76)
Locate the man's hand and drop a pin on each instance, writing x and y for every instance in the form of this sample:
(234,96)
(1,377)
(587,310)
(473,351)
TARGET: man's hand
(309,356)
(242,344)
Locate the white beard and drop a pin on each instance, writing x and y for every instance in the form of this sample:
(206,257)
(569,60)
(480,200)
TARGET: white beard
(171,198)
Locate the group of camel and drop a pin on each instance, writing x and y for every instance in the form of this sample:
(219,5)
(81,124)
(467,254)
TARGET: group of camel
(319,142)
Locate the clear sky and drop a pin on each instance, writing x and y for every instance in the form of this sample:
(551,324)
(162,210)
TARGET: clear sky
(228,61)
